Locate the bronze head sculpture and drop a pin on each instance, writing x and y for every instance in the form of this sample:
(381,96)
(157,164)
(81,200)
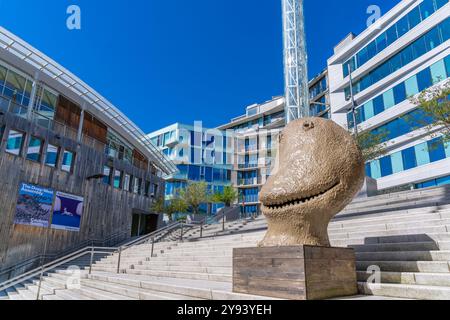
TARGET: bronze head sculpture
(320,170)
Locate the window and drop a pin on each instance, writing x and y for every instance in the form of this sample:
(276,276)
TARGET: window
(117,179)
(438,72)
(412,88)
(147,188)
(107,175)
(424,80)
(381,42)
(426,8)
(375,169)
(432,39)
(388,99)
(397,162)
(14,142)
(414,18)
(436,150)
(126,182)
(402,26)
(34,150)
(369,110)
(68,161)
(51,157)
(422,155)
(378,104)
(386,166)
(137,185)
(399,93)
(391,35)
(409,158)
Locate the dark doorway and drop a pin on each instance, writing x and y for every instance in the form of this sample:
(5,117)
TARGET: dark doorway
(143,224)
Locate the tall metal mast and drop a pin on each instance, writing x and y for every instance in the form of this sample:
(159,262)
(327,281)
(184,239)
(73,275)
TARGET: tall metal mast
(295,61)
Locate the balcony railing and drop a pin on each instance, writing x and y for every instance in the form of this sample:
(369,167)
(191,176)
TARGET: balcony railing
(249,181)
(248,166)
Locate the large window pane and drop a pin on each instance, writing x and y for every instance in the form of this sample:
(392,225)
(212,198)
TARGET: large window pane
(369,110)
(440,3)
(51,156)
(378,104)
(438,72)
(386,166)
(424,80)
(407,55)
(402,26)
(447,65)
(422,155)
(375,169)
(107,175)
(127,183)
(68,161)
(426,8)
(397,162)
(388,98)
(412,87)
(409,158)
(391,35)
(436,149)
(419,48)
(445,29)
(14,142)
(414,17)
(381,42)
(447,149)
(34,150)
(399,93)
(117,179)
(432,39)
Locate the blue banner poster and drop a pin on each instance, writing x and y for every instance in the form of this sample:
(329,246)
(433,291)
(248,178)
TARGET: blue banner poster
(67,212)
(34,206)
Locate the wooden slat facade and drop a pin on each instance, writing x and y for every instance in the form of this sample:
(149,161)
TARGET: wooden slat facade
(106,211)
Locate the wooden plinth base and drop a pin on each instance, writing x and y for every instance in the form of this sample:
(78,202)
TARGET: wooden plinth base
(297,273)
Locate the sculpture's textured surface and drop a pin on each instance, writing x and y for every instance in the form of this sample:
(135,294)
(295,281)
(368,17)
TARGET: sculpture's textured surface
(320,170)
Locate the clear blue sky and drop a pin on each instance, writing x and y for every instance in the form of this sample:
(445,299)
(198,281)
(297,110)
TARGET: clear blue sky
(172,61)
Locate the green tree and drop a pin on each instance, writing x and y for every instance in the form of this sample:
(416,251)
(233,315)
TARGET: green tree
(435,105)
(228,196)
(171,207)
(194,195)
(373,145)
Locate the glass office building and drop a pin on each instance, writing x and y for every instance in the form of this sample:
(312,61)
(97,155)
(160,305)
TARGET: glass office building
(390,66)
(200,154)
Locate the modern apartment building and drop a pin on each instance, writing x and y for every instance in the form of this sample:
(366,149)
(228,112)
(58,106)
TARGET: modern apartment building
(406,52)
(73,168)
(200,154)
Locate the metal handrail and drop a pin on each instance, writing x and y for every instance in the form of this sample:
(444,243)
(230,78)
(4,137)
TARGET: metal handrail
(74,255)
(64,253)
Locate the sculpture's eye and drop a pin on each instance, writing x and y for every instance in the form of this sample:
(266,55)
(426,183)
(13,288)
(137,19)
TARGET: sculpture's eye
(308,125)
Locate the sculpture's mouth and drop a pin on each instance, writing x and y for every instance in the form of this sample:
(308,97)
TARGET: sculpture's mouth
(299,200)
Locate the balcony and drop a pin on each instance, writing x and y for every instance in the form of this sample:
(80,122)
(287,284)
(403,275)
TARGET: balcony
(249,182)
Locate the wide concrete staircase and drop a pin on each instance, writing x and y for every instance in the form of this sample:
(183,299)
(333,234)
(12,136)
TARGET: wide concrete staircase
(406,236)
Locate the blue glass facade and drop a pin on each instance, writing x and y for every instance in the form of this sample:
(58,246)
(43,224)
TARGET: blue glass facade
(413,157)
(433,183)
(401,92)
(418,48)
(408,22)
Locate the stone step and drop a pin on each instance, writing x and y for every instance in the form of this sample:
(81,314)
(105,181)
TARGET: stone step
(391,222)
(378,233)
(405,291)
(207,263)
(207,290)
(421,278)
(405,246)
(420,237)
(190,269)
(404,256)
(131,292)
(406,266)
(181,274)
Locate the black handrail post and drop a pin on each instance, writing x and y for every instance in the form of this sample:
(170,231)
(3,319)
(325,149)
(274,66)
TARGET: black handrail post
(223,223)
(201,230)
(92,258)
(118,262)
(181,234)
(153,246)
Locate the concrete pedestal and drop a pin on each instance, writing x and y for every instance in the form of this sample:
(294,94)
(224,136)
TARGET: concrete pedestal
(297,273)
